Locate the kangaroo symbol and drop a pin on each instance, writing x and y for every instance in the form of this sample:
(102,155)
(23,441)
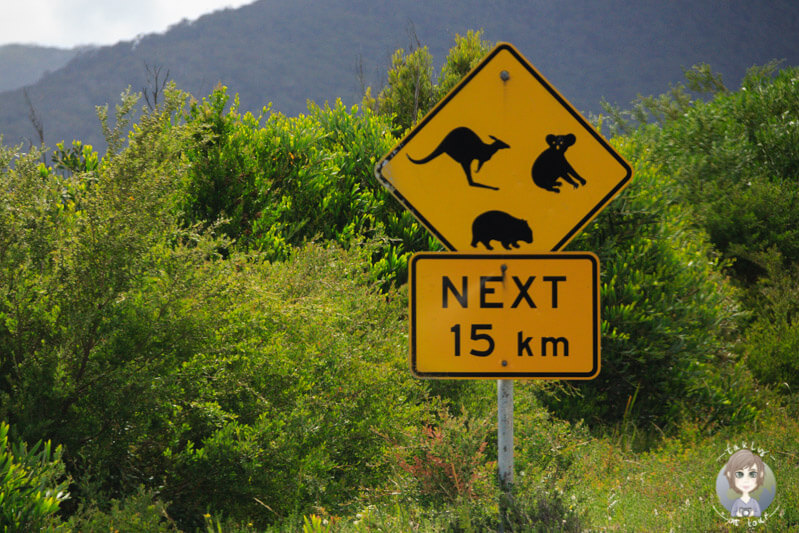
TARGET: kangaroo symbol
(464,146)
(551,165)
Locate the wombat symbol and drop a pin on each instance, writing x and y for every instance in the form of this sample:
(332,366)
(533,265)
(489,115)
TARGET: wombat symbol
(502,227)
(551,165)
(464,146)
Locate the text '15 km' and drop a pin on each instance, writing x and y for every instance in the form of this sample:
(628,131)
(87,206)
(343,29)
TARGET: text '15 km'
(513,316)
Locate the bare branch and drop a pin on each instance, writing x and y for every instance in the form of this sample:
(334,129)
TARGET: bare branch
(359,74)
(155,84)
(34,117)
(37,123)
(414,38)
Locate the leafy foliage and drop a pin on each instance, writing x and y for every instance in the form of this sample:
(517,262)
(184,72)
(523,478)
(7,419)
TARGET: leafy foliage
(141,511)
(735,159)
(201,321)
(667,107)
(301,395)
(411,91)
(446,459)
(467,52)
(126,337)
(32,484)
(278,184)
(773,338)
(666,312)
(79,158)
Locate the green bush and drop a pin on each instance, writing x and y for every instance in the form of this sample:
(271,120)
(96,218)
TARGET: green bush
(213,383)
(32,484)
(736,160)
(411,89)
(467,52)
(139,512)
(445,460)
(666,312)
(772,350)
(541,511)
(772,340)
(284,411)
(275,182)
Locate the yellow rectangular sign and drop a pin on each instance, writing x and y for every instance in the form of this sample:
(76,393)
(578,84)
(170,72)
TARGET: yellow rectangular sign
(504,315)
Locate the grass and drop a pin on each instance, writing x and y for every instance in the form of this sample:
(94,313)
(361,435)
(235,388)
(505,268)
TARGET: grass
(671,487)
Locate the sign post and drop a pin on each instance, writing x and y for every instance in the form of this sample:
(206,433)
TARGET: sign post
(504,171)
(504,444)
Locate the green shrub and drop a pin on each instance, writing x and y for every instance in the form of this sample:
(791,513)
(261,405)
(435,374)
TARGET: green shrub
(98,305)
(445,460)
(139,512)
(467,52)
(219,383)
(285,411)
(772,340)
(736,159)
(666,312)
(541,511)
(32,484)
(275,182)
(772,350)
(411,90)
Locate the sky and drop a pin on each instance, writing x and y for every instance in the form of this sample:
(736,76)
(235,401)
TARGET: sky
(69,23)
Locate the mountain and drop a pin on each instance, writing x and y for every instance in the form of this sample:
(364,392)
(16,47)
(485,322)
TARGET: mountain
(289,52)
(22,65)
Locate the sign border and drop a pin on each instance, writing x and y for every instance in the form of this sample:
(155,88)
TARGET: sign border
(596,360)
(566,105)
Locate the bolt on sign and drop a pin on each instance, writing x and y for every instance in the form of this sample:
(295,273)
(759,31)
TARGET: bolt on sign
(504,162)
(504,315)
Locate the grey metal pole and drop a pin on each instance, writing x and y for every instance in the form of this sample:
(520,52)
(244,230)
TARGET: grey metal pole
(504,444)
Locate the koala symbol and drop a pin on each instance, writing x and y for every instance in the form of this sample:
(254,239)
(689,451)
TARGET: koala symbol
(551,165)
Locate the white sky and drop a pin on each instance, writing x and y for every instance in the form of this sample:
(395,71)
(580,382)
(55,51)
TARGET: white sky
(68,23)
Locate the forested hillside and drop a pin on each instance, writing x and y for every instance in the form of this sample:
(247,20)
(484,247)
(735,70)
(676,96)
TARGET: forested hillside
(23,65)
(289,52)
(205,327)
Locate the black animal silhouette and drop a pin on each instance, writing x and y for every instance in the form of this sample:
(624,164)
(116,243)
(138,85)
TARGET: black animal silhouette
(464,146)
(551,165)
(502,227)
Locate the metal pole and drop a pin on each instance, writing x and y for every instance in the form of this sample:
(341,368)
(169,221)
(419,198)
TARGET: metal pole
(504,444)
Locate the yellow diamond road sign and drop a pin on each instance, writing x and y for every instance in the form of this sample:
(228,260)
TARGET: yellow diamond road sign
(504,315)
(504,162)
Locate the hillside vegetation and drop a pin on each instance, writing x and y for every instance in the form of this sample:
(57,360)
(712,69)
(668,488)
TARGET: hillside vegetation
(289,52)
(205,327)
(24,65)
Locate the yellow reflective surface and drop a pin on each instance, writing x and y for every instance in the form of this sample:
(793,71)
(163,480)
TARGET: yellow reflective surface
(526,114)
(504,316)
